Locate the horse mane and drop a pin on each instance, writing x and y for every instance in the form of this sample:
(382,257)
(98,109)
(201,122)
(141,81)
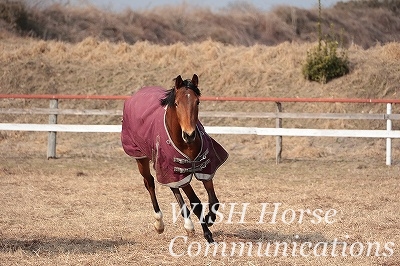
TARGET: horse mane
(169,98)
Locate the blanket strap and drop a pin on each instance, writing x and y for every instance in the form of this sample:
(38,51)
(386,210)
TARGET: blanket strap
(193,169)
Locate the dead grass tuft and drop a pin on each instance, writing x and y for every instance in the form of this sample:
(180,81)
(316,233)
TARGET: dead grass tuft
(392,51)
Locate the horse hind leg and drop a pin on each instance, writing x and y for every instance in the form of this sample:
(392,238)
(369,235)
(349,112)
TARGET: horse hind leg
(148,179)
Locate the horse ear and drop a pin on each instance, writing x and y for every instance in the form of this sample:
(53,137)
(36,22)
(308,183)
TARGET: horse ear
(195,80)
(178,82)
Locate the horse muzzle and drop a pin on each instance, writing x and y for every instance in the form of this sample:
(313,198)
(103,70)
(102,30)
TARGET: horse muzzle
(189,137)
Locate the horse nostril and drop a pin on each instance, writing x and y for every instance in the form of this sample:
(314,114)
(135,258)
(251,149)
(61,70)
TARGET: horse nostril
(192,135)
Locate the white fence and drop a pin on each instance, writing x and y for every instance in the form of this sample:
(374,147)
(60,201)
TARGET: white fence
(278,131)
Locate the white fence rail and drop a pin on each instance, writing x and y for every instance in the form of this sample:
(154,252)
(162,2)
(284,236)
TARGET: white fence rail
(53,127)
(294,132)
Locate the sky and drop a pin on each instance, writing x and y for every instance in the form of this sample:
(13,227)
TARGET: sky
(118,5)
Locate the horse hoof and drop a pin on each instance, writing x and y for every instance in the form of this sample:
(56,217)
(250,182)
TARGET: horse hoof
(159,226)
(189,227)
(190,233)
(159,223)
(159,230)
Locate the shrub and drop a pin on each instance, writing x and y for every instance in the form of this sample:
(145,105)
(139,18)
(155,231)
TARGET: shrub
(323,62)
(13,12)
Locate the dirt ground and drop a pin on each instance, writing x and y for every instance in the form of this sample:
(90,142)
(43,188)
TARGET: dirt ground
(92,209)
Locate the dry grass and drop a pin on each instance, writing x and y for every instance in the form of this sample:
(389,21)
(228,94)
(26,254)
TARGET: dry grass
(95,210)
(92,66)
(95,67)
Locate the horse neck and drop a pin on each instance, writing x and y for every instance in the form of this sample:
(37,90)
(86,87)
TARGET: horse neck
(175,133)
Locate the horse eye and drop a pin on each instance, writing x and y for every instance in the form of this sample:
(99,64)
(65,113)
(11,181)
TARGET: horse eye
(176,104)
(198,102)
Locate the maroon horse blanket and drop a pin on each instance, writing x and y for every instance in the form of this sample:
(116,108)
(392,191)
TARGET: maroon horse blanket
(144,134)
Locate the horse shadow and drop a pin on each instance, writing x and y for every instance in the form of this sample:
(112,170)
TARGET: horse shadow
(256,235)
(61,245)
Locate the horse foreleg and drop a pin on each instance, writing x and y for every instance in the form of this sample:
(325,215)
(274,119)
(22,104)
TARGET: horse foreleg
(197,208)
(213,202)
(189,227)
(148,179)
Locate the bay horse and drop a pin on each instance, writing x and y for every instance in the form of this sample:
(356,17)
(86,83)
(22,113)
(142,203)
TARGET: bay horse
(162,126)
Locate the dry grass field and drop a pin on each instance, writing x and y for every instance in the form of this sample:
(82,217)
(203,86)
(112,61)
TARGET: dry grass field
(94,210)
(337,202)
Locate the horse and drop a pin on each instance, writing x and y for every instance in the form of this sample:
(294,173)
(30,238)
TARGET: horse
(162,126)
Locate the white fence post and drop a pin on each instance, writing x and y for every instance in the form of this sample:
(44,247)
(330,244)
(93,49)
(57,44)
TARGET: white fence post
(278,154)
(51,145)
(389,140)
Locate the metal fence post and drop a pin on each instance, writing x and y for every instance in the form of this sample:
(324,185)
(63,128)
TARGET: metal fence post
(278,138)
(51,145)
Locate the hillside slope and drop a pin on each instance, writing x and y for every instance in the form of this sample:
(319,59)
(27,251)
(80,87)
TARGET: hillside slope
(32,66)
(364,23)
(96,67)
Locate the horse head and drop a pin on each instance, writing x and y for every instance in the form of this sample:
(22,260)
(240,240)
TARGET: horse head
(186,106)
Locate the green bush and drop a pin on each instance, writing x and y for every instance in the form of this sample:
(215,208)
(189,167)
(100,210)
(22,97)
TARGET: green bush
(323,62)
